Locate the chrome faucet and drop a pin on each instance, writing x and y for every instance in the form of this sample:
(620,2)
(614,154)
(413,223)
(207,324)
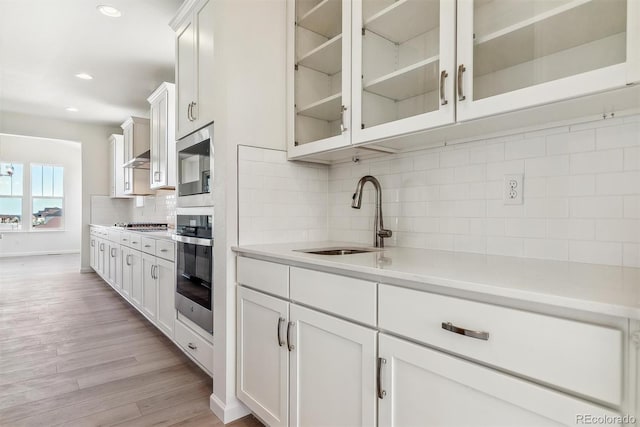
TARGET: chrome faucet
(379,232)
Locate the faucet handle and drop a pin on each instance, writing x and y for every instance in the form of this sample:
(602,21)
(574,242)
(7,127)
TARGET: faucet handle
(385,233)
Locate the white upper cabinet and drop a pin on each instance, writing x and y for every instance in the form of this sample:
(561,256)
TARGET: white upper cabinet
(368,71)
(116,171)
(163,142)
(403,66)
(518,54)
(320,90)
(194,66)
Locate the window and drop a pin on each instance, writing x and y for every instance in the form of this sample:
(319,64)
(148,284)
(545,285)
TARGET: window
(11,196)
(47,197)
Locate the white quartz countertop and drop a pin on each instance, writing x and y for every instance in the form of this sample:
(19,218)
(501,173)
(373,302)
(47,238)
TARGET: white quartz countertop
(164,235)
(601,289)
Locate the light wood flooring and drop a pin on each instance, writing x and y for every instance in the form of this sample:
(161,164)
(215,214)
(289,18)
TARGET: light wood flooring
(74,353)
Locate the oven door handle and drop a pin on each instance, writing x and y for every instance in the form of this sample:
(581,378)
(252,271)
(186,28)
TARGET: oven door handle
(193,240)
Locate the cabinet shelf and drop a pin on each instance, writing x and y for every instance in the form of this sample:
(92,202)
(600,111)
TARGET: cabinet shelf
(326,109)
(407,82)
(325,18)
(326,58)
(548,32)
(405,19)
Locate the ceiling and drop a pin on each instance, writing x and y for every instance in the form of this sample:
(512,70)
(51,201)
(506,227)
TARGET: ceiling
(44,43)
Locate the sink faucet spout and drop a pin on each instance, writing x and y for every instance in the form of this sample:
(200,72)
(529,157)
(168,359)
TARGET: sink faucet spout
(379,232)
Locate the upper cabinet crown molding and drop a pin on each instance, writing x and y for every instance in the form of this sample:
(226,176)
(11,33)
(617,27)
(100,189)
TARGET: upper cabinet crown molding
(183,13)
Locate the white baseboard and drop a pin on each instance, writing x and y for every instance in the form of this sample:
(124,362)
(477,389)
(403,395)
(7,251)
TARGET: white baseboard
(35,253)
(86,270)
(232,411)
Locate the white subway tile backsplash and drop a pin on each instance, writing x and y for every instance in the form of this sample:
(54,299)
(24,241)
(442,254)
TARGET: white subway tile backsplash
(581,196)
(596,207)
(509,246)
(631,255)
(597,161)
(281,201)
(626,135)
(547,166)
(618,183)
(525,148)
(546,249)
(595,252)
(571,142)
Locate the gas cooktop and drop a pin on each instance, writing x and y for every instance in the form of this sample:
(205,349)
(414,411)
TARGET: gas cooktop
(142,226)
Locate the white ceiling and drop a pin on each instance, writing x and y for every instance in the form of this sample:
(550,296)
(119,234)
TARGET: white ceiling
(44,43)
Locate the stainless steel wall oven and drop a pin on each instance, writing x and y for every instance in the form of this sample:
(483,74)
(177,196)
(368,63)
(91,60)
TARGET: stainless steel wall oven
(194,265)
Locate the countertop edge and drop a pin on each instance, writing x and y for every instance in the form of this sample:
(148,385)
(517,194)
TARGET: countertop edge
(446,286)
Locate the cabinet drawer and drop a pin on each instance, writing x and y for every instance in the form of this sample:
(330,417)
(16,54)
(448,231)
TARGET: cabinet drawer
(194,345)
(577,356)
(148,245)
(93,231)
(351,298)
(125,239)
(114,236)
(263,275)
(165,249)
(135,241)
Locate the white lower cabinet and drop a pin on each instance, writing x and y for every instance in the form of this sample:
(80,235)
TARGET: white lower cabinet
(93,245)
(166,314)
(114,270)
(298,367)
(424,360)
(424,387)
(149,286)
(332,371)
(263,356)
(136,278)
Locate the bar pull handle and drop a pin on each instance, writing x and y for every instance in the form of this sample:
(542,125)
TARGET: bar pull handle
(443,76)
(192,346)
(127,259)
(280,322)
(156,176)
(342,111)
(381,393)
(189,111)
(194,114)
(461,70)
(290,346)
(480,335)
(93,243)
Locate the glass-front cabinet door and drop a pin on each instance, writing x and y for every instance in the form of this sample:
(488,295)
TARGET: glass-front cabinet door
(321,93)
(517,54)
(403,66)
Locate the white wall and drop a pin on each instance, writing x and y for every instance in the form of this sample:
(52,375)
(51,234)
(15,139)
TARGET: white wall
(249,109)
(95,152)
(28,150)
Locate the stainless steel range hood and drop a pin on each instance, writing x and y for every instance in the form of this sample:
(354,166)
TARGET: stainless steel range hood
(139,162)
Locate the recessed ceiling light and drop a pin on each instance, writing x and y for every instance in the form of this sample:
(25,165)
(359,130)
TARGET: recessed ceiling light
(72,109)
(84,76)
(109,11)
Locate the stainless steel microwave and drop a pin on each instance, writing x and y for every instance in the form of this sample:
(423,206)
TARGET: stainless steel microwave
(194,154)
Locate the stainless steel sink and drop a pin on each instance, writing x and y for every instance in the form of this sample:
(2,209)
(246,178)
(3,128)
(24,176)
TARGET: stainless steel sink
(338,251)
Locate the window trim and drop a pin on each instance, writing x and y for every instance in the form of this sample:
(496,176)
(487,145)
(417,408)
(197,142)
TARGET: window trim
(21,228)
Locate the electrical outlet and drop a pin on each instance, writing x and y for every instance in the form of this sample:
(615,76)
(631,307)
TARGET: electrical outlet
(513,189)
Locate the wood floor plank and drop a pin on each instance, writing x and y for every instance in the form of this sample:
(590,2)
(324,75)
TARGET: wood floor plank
(79,355)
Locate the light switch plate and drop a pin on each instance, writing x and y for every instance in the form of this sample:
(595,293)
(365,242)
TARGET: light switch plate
(513,189)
